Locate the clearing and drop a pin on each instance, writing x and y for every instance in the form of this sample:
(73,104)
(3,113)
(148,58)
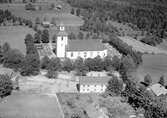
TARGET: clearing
(15,36)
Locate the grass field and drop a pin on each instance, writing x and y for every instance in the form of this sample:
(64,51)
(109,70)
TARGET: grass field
(155,65)
(15,35)
(20,105)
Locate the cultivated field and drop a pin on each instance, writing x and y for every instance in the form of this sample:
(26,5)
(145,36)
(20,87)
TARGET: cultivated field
(15,35)
(141,47)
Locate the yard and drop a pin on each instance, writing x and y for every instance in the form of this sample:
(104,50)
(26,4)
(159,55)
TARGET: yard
(21,105)
(15,35)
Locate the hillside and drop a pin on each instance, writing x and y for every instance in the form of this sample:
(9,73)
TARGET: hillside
(147,15)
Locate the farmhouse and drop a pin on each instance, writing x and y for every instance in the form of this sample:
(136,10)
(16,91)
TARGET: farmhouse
(158,89)
(78,48)
(93,84)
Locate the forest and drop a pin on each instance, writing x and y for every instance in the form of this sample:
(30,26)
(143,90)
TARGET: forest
(147,15)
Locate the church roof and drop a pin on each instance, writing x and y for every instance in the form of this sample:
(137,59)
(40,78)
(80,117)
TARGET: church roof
(62,33)
(85,45)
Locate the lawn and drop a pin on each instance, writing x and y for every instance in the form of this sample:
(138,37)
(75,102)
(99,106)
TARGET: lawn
(15,35)
(20,105)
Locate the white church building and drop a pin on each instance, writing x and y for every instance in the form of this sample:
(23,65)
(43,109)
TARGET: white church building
(78,48)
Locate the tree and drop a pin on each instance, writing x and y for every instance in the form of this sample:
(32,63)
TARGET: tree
(51,74)
(90,64)
(115,86)
(72,11)
(37,20)
(147,79)
(78,12)
(45,62)
(6,86)
(72,36)
(45,36)
(162,81)
(67,65)
(30,47)
(31,65)
(80,35)
(54,64)
(6,47)
(116,62)
(128,64)
(98,64)
(80,67)
(108,63)
(13,59)
(52,6)
(37,38)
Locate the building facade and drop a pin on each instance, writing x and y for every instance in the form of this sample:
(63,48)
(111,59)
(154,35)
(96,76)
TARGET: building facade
(93,84)
(78,48)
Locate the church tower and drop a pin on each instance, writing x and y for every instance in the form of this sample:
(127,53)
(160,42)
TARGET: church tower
(62,41)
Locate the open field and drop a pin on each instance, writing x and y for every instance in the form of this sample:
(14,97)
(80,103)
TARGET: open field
(20,105)
(15,35)
(155,65)
(141,47)
(60,16)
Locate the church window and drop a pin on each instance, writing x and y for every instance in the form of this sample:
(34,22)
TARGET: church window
(98,53)
(85,54)
(72,54)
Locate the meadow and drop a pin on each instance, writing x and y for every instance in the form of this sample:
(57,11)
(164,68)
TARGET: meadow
(15,36)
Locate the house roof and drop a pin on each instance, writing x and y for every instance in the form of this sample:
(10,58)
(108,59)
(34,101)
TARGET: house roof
(158,89)
(93,80)
(85,45)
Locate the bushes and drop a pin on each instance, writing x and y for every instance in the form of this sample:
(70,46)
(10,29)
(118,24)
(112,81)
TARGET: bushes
(5,85)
